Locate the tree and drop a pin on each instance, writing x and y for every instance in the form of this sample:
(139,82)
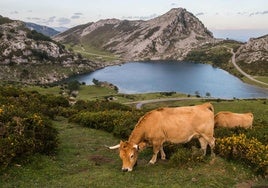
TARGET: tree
(73,86)
(197,94)
(95,82)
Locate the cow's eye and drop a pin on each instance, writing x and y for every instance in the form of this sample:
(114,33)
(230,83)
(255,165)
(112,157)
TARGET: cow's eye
(131,156)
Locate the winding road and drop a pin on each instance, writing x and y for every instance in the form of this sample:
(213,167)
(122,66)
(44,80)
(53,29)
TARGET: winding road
(140,103)
(241,71)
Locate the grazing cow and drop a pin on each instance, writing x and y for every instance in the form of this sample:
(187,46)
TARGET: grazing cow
(176,125)
(231,120)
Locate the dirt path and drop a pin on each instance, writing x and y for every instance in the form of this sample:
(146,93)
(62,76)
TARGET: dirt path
(139,104)
(241,71)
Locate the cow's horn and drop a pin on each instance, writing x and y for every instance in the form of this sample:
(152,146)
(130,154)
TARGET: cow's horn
(136,147)
(114,147)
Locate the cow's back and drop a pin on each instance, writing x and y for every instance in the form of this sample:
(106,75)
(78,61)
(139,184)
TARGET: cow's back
(231,120)
(179,124)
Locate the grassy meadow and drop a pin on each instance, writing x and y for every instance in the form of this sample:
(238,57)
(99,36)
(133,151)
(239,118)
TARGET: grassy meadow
(93,53)
(82,160)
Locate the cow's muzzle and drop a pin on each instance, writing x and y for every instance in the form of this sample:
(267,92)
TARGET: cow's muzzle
(126,169)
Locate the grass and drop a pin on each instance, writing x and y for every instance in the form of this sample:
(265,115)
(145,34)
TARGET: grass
(93,53)
(83,161)
(92,92)
(262,78)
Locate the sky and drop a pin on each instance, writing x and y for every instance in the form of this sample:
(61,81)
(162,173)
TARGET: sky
(215,14)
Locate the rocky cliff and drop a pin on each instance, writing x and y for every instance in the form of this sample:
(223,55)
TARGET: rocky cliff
(253,56)
(170,36)
(28,56)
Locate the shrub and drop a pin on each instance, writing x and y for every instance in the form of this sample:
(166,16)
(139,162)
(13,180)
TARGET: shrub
(185,157)
(4,20)
(250,151)
(24,125)
(73,86)
(120,123)
(96,106)
(33,34)
(259,132)
(22,136)
(24,102)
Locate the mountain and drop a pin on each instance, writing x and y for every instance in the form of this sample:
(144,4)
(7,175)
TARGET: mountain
(170,36)
(253,56)
(31,57)
(60,29)
(42,29)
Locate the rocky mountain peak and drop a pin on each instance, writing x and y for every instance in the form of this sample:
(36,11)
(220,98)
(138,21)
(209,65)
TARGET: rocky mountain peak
(170,36)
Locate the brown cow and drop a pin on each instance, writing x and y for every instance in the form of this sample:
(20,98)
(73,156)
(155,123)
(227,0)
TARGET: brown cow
(231,120)
(176,125)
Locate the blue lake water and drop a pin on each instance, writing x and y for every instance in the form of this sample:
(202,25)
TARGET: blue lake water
(183,77)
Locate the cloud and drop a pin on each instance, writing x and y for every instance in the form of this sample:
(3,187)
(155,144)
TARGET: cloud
(242,13)
(199,14)
(43,21)
(51,19)
(14,12)
(174,4)
(76,15)
(258,13)
(34,18)
(63,21)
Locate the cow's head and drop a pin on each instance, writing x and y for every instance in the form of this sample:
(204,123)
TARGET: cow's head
(128,152)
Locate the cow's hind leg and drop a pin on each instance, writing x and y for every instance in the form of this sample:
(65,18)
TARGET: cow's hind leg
(212,146)
(163,155)
(208,140)
(203,144)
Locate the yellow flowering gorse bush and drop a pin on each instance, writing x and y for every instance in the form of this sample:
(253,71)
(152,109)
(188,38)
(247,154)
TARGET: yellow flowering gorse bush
(240,147)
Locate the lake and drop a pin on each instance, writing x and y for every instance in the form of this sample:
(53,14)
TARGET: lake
(183,77)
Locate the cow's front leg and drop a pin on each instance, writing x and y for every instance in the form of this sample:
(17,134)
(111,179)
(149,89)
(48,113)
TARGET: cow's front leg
(156,149)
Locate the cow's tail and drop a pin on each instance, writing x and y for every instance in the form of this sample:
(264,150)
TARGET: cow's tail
(216,120)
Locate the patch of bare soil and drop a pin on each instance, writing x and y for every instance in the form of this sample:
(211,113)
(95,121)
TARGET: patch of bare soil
(99,159)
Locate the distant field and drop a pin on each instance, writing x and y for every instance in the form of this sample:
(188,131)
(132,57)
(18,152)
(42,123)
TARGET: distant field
(93,53)
(262,78)
(92,92)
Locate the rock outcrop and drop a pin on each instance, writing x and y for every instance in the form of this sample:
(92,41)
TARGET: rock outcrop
(29,56)
(253,56)
(256,49)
